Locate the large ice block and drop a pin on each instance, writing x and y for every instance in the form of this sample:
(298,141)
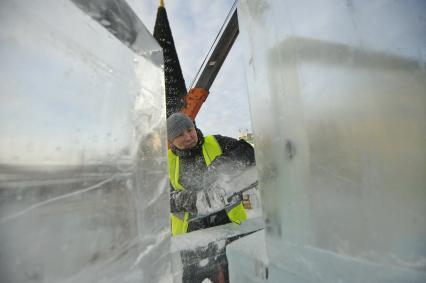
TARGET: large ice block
(337,92)
(248,261)
(202,251)
(83,162)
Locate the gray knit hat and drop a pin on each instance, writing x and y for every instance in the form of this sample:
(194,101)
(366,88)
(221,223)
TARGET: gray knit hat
(177,123)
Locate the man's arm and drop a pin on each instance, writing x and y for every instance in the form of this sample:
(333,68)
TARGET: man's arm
(238,151)
(237,156)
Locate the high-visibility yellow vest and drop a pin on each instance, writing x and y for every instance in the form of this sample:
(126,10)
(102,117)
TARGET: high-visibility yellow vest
(211,149)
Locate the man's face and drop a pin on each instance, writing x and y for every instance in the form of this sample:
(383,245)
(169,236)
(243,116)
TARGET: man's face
(186,140)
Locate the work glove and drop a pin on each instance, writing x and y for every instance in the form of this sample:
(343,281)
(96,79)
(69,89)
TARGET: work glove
(210,201)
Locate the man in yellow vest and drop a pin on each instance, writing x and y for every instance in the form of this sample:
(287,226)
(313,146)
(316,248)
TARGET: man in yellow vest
(196,202)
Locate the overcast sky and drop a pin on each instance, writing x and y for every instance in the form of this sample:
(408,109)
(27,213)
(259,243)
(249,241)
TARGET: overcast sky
(195,24)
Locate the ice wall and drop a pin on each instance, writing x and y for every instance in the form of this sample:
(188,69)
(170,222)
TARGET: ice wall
(337,92)
(83,164)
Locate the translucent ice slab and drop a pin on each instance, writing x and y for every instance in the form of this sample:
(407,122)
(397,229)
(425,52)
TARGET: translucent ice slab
(83,164)
(338,100)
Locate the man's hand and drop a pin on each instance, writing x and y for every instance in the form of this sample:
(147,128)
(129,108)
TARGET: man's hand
(211,200)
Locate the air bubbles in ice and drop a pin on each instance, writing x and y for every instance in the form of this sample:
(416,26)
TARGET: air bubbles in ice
(105,23)
(94,14)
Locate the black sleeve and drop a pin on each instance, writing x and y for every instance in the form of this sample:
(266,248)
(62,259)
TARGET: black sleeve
(236,150)
(237,155)
(182,201)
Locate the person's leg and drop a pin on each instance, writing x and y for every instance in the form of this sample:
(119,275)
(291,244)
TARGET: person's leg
(220,273)
(193,272)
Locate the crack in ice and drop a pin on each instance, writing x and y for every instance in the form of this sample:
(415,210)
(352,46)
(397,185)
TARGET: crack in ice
(161,237)
(22,212)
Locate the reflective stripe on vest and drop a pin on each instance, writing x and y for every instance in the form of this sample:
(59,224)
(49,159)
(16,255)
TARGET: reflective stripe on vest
(211,149)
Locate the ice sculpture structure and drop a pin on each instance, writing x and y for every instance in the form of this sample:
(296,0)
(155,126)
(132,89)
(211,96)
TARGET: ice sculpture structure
(337,91)
(83,164)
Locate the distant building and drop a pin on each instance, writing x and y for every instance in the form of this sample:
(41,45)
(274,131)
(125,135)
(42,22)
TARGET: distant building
(245,135)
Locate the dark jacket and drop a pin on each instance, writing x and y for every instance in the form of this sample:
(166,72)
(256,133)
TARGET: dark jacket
(194,175)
